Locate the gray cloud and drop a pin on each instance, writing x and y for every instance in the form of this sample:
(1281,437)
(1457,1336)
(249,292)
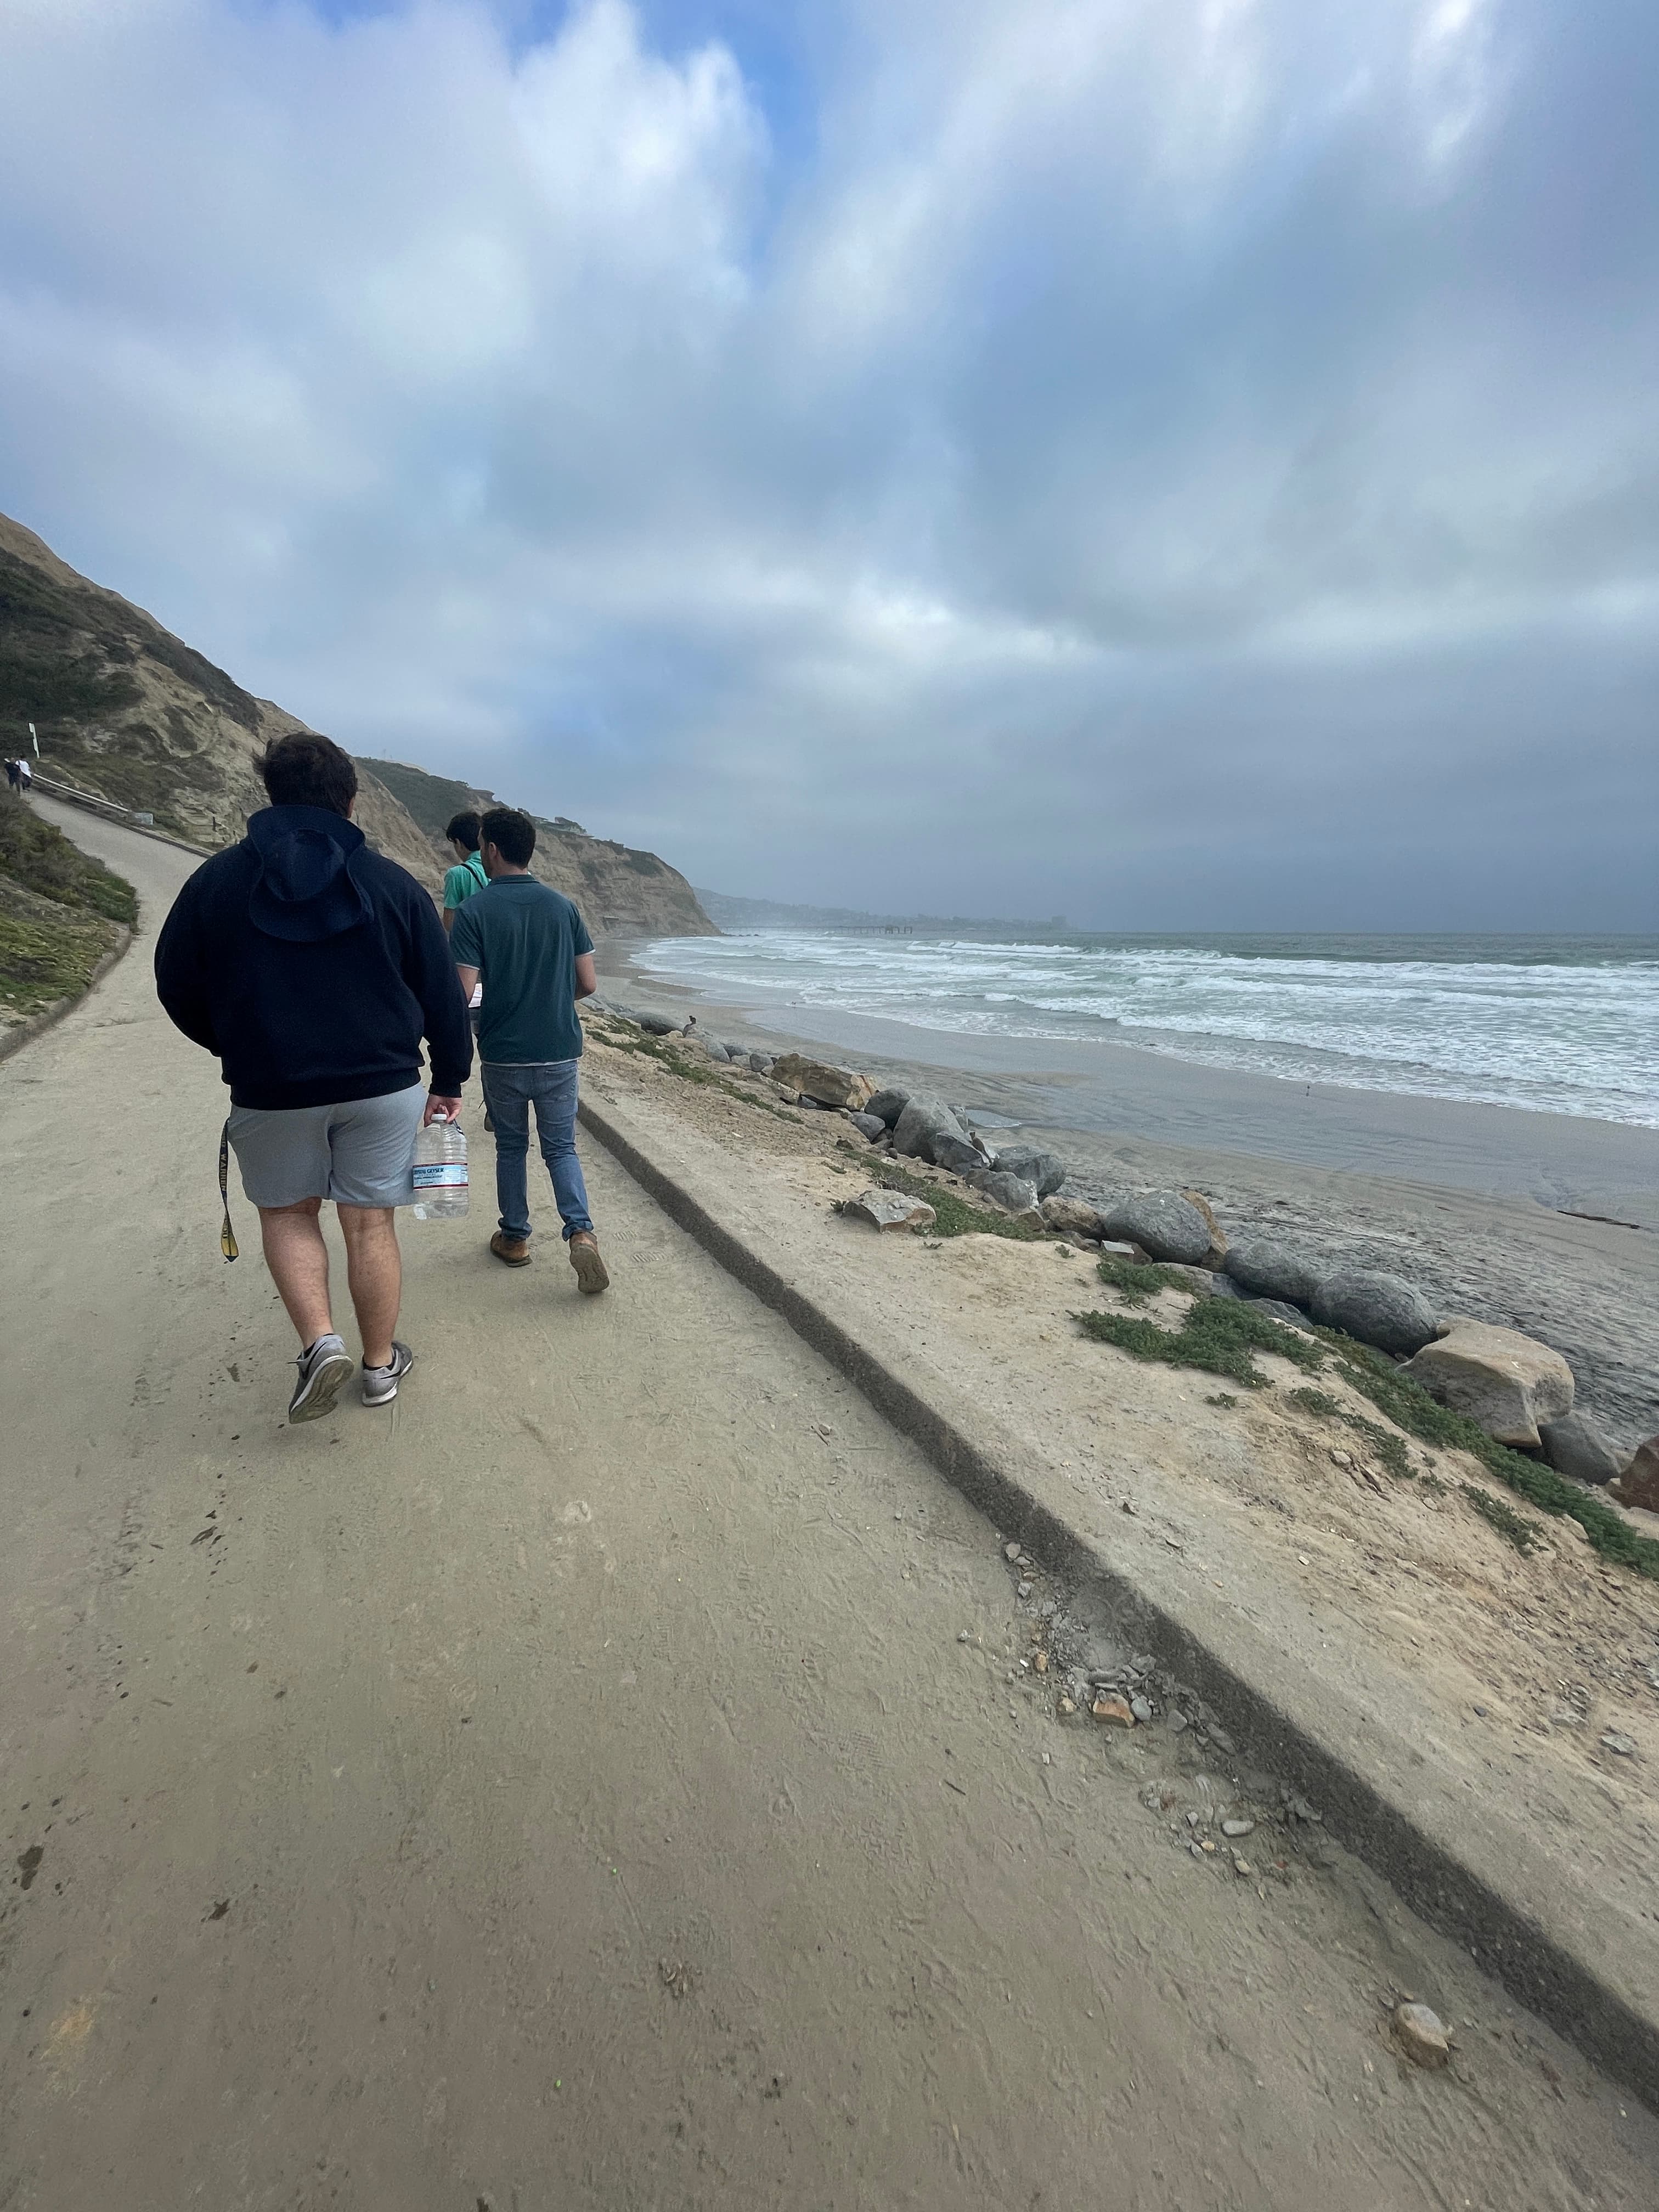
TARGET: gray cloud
(1183,462)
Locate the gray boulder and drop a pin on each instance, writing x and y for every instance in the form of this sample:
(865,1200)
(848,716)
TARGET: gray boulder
(762,1063)
(1010,1191)
(1161,1223)
(1276,1310)
(1046,1170)
(1072,1217)
(1266,1268)
(924,1118)
(1377,1308)
(716,1051)
(657,1025)
(888,1104)
(1574,1446)
(960,1154)
(1509,1384)
(868,1124)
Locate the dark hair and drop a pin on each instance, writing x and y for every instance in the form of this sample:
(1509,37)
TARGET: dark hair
(463,830)
(512,834)
(303,769)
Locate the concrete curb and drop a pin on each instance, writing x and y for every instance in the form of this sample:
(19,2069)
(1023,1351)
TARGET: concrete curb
(26,1032)
(1291,1727)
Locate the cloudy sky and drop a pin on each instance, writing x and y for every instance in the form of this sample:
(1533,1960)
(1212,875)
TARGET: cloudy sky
(1173,462)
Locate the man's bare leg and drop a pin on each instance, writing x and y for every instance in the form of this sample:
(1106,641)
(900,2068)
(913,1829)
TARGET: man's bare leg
(375,1272)
(298,1260)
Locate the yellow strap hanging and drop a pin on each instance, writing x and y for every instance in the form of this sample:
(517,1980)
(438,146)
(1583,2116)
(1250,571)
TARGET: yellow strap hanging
(226,1234)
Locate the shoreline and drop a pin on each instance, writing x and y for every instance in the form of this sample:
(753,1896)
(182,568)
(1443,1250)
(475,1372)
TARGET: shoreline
(1563,1162)
(1479,1205)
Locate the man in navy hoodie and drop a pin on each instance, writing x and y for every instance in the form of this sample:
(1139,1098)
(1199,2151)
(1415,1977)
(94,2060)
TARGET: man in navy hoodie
(312,967)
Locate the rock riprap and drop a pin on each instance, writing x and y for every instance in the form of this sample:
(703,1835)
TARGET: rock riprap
(1046,1170)
(1639,1483)
(887,1105)
(1506,1382)
(1575,1447)
(1010,1191)
(1377,1308)
(1073,1216)
(1267,1268)
(961,1155)
(889,1209)
(1162,1223)
(868,1124)
(924,1118)
(1217,1251)
(819,1080)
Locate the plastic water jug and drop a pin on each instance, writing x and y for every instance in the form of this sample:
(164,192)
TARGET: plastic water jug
(440,1172)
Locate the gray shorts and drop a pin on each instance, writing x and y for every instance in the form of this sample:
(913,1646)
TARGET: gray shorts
(360,1153)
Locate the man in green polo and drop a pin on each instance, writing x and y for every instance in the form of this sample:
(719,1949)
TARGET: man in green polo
(531,949)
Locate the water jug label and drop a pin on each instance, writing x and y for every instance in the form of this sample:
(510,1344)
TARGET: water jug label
(441,1175)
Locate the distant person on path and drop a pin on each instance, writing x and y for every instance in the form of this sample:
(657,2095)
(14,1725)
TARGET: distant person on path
(528,946)
(14,776)
(467,876)
(460,882)
(312,967)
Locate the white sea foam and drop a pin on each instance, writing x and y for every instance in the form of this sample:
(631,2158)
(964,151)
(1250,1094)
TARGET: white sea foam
(1560,1025)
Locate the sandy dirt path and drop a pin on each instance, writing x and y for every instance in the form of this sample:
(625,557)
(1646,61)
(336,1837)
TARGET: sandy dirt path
(569,1788)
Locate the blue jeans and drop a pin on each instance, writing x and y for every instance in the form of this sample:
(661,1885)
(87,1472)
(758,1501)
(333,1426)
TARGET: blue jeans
(509,1092)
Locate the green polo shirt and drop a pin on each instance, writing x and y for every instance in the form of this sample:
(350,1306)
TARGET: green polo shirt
(460,883)
(523,940)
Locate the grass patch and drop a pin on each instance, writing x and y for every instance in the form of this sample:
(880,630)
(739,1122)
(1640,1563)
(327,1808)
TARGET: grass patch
(689,1071)
(1220,1336)
(40,857)
(953,1216)
(45,959)
(58,912)
(1135,1282)
(1513,1526)
(1409,1406)
(1315,1401)
(1388,1448)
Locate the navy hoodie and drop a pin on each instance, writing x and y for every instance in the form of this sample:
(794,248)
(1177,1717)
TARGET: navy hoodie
(312,967)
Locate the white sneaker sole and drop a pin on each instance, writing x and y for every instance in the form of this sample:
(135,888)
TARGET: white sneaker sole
(321,1388)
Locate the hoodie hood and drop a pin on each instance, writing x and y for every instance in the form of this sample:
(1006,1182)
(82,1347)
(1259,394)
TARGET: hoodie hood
(305,889)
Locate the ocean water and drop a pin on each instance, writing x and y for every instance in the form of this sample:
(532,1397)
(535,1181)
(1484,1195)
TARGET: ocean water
(1562,1024)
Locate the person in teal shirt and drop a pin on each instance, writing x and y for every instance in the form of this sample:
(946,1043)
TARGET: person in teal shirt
(467,876)
(530,948)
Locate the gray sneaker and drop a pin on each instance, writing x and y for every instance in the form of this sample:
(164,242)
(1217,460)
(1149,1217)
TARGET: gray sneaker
(380,1383)
(323,1369)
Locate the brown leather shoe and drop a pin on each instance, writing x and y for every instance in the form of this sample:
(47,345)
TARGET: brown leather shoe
(591,1277)
(515,1250)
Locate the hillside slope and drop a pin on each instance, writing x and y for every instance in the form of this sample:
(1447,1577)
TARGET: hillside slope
(620,892)
(60,912)
(124,710)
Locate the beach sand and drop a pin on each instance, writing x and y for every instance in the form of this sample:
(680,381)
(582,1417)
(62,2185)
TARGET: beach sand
(1479,1205)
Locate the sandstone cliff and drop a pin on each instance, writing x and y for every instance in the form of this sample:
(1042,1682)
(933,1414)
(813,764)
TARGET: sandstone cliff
(620,892)
(124,710)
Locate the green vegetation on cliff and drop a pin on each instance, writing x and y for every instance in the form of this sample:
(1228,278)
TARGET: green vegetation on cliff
(59,912)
